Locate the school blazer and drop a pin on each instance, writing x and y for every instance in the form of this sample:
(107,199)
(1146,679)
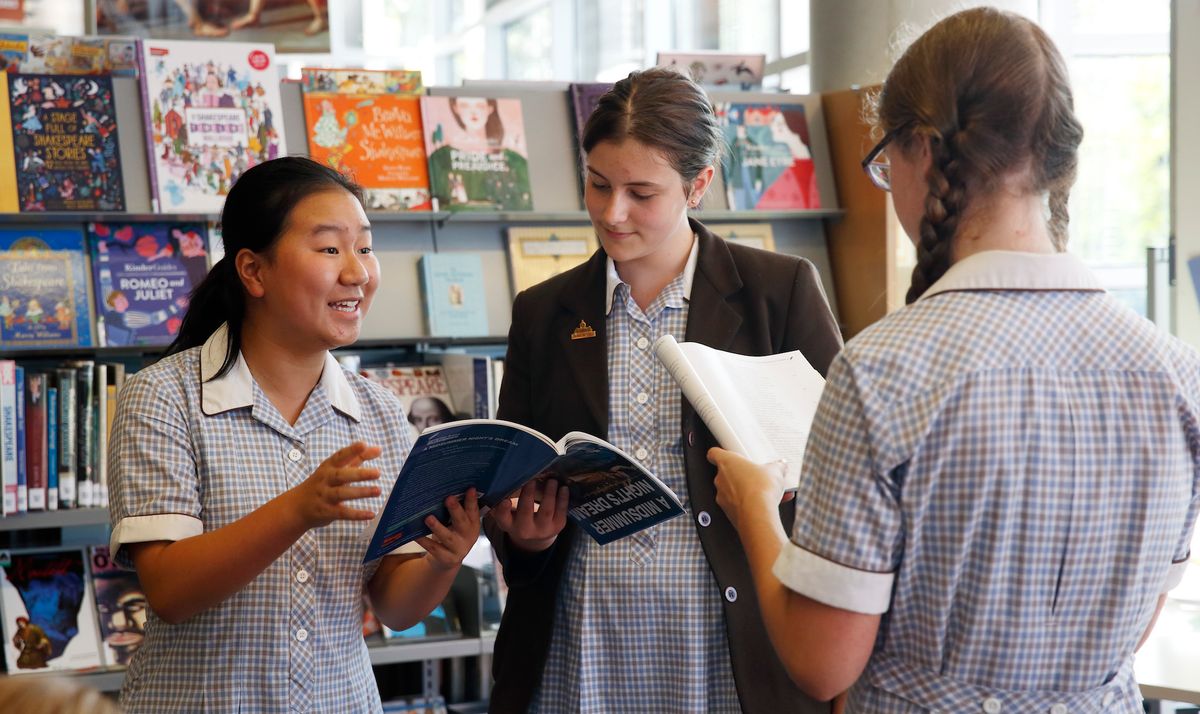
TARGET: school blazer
(743,300)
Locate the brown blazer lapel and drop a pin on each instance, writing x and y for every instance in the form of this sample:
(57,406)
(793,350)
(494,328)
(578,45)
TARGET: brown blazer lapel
(582,313)
(711,319)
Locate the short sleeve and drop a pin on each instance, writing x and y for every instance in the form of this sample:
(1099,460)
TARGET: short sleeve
(846,540)
(153,483)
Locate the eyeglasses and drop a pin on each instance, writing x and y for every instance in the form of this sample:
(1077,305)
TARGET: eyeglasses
(878,169)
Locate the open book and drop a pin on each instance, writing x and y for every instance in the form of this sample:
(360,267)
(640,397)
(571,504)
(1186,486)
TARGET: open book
(611,495)
(759,407)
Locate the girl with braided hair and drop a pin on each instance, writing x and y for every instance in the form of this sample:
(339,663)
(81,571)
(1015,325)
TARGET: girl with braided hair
(1002,477)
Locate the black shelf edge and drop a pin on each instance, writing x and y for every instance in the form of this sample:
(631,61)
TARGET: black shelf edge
(68,518)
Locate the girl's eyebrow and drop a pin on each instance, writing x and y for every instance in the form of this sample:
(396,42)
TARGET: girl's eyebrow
(648,184)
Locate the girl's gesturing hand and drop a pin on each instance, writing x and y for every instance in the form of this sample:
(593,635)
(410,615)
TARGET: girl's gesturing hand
(447,546)
(322,498)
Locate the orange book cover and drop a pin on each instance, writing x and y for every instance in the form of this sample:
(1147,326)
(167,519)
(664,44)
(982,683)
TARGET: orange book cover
(377,140)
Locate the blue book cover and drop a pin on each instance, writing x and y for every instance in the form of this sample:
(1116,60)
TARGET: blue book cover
(52,448)
(22,474)
(770,164)
(610,494)
(455,301)
(65,143)
(143,274)
(44,296)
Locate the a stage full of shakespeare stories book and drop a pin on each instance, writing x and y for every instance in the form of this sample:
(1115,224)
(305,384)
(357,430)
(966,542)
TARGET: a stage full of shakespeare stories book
(43,289)
(769,166)
(64,143)
(49,612)
(375,138)
(143,274)
(478,160)
(212,110)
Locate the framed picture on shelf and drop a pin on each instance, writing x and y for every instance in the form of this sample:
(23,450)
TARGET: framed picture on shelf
(290,25)
(718,70)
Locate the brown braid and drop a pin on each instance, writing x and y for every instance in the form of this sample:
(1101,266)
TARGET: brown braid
(988,90)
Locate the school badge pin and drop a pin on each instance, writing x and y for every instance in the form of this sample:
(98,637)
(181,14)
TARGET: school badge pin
(582,332)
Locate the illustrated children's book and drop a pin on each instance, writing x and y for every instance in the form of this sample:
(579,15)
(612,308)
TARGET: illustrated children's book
(120,606)
(64,139)
(610,494)
(212,110)
(43,289)
(769,164)
(369,134)
(63,54)
(48,610)
(717,70)
(478,159)
(539,253)
(453,291)
(143,274)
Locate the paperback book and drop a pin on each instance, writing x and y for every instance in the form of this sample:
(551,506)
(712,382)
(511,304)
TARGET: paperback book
(423,391)
(373,137)
(610,494)
(120,607)
(478,160)
(211,110)
(143,274)
(584,98)
(44,297)
(64,140)
(48,610)
(770,165)
(454,297)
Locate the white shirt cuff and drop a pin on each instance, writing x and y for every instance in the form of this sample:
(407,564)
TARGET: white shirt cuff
(832,583)
(1175,575)
(161,526)
(407,549)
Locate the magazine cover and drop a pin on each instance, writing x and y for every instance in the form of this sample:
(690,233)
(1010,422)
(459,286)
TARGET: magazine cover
(44,296)
(65,143)
(143,274)
(211,111)
(478,159)
(48,611)
(423,392)
(120,607)
(375,139)
(769,166)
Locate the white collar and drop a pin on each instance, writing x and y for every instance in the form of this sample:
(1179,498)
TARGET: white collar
(689,272)
(235,388)
(1013,270)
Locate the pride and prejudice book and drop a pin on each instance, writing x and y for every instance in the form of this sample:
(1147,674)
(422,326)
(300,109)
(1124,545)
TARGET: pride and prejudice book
(478,160)
(611,495)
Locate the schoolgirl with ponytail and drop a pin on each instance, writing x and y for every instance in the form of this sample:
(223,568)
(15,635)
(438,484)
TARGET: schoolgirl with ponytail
(243,464)
(1002,478)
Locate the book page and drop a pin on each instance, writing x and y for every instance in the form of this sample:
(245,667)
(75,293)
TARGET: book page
(759,407)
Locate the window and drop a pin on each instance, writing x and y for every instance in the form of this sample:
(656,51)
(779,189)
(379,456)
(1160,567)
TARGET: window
(528,43)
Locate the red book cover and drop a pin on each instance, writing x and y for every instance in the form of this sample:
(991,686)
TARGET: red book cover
(35,440)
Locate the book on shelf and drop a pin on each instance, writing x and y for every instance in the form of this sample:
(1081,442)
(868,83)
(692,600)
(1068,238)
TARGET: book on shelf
(537,253)
(422,390)
(8,163)
(68,429)
(8,434)
(753,235)
(52,420)
(49,53)
(35,439)
(453,294)
(478,158)
(442,623)
(769,165)
(611,495)
(85,433)
(761,407)
(584,98)
(369,127)
(64,143)
(211,111)
(143,274)
(120,607)
(717,70)
(44,296)
(469,378)
(48,611)
(22,484)
(424,704)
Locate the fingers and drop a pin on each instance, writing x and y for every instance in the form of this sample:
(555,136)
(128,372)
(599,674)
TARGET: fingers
(352,455)
(345,475)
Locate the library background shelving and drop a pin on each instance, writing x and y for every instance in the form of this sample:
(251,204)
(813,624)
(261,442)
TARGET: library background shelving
(395,330)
